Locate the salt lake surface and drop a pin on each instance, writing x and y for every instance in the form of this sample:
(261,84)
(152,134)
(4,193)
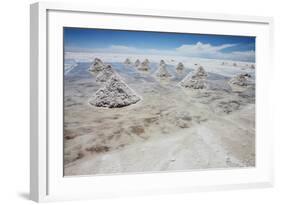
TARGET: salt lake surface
(172,128)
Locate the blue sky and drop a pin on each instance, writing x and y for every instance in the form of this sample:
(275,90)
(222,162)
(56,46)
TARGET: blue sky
(159,43)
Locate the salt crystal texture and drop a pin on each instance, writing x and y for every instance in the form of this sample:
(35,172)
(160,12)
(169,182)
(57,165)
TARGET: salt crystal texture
(144,66)
(127,61)
(162,71)
(137,63)
(115,94)
(180,67)
(105,74)
(243,79)
(195,80)
(162,62)
(97,65)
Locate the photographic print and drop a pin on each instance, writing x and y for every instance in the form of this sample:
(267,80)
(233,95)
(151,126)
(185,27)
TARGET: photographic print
(143,101)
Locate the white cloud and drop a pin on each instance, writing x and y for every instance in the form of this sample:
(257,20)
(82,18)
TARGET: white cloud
(190,50)
(122,49)
(201,49)
(208,51)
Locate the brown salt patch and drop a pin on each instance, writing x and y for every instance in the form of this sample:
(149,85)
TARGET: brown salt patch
(98,149)
(138,130)
(150,120)
(80,155)
(68,135)
(121,146)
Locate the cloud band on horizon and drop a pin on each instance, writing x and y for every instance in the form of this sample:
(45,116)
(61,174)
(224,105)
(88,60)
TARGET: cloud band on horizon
(198,49)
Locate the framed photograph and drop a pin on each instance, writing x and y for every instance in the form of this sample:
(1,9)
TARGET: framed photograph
(130,102)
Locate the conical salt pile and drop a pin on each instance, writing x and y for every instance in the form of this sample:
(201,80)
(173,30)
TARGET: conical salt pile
(200,72)
(162,72)
(144,66)
(127,61)
(97,65)
(242,80)
(189,82)
(105,74)
(195,80)
(114,94)
(137,63)
(162,62)
(146,61)
(180,67)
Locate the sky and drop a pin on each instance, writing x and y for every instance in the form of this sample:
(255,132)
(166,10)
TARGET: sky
(240,48)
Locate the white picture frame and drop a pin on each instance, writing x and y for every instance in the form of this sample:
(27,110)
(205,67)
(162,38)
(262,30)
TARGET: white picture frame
(46,178)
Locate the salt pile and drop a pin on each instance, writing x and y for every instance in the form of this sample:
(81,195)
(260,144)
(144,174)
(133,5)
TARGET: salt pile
(144,66)
(201,72)
(146,61)
(162,63)
(105,74)
(97,65)
(195,80)
(127,61)
(180,67)
(114,94)
(253,66)
(162,72)
(242,80)
(137,63)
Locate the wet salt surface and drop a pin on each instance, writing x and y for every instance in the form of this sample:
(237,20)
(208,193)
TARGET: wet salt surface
(97,141)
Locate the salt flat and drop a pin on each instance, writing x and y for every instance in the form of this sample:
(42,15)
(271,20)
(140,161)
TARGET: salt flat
(170,128)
